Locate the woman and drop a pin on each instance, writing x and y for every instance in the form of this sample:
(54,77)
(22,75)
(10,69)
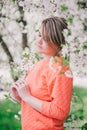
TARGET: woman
(45,93)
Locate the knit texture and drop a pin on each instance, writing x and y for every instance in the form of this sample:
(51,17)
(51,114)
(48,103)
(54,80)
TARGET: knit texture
(54,87)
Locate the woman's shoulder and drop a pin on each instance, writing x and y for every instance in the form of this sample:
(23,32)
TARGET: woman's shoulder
(54,66)
(60,66)
(58,63)
(54,63)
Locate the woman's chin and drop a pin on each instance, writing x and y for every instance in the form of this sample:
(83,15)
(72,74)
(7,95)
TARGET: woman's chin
(39,50)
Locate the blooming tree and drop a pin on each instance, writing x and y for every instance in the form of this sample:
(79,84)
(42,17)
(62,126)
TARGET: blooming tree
(21,20)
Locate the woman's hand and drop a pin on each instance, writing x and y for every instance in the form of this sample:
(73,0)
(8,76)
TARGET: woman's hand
(14,94)
(22,90)
(25,95)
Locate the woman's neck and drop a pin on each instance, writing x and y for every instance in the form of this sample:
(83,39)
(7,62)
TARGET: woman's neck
(47,57)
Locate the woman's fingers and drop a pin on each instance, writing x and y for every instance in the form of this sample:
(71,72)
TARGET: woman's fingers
(20,83)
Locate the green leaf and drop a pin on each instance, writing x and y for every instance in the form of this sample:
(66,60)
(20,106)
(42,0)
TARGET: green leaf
(85,28)
(64,8)
(65,62)
(26,55)
(38,57)
(56,59)
(37,30)
(67,43)
(70,20)
(61,72)
(14,0)
(76,51)
(84,47)
(69,32)
(84,127)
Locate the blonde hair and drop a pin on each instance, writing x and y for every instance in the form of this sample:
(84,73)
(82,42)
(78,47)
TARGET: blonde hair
(52,30)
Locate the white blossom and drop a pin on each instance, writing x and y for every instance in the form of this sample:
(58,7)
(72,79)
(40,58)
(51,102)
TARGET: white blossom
(34,12)
(16,117)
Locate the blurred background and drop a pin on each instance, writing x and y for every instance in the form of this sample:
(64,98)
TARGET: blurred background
(20,21)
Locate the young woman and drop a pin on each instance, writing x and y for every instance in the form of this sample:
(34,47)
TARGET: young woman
(45,93)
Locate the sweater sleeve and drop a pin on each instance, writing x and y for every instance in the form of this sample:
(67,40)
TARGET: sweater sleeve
(61,95)
(14,94)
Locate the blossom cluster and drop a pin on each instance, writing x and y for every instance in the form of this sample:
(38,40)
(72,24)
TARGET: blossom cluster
(34,12)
